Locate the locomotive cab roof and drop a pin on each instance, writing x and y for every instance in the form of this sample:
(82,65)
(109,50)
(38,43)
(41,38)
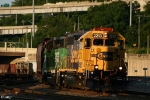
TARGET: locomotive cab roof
(56,38)
(76,35)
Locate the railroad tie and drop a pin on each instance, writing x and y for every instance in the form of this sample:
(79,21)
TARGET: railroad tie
(28,91)
(7,91)
(37,92)
(16,90)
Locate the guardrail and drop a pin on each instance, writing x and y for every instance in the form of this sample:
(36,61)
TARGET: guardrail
(13,44)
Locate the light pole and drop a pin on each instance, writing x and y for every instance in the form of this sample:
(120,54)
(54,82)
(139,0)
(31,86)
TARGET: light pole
(139,16)
(135,72)
(16,19)
(147,44)
(22,2)
(32,35)
(78,24)
(130,12)
(145,76)
(27,37)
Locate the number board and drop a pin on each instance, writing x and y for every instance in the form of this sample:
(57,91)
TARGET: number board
(97,35)
(112,36)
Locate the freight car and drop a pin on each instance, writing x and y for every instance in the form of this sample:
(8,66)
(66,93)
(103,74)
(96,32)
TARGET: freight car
(84,59)
(19,70)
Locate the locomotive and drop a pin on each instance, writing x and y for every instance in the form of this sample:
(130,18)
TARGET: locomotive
(86,60)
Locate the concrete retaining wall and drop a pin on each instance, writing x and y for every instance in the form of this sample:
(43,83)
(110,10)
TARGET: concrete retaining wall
(136,63)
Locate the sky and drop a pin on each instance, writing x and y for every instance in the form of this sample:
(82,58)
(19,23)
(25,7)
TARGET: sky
(5,1)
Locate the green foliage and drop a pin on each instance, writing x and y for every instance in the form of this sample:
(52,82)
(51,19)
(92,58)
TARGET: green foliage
(52,26)
(147,8)
(137,51)
(115,15)
(7,21)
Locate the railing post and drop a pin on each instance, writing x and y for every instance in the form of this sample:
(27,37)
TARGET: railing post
(5,46)
(27,45)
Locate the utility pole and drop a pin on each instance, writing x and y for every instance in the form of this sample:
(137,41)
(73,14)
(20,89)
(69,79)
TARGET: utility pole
(78,24)
(147,44)
(16,19)
(139,16)
(139,19)
(130,12)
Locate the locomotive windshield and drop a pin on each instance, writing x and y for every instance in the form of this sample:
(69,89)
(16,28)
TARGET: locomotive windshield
(98,42)
(121,44)
(110,42)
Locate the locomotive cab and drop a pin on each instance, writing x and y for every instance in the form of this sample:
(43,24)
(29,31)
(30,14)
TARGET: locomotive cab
(109,52)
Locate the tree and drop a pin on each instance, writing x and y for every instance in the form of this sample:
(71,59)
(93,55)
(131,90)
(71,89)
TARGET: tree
(115,14)
(53,26)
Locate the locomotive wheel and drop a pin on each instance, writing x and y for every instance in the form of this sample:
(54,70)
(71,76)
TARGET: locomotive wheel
(39,77)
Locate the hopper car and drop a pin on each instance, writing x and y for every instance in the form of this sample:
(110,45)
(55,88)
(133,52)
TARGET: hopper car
(85,60)
(19,70)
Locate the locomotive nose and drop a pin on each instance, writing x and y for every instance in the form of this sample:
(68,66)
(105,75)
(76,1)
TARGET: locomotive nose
(108,54)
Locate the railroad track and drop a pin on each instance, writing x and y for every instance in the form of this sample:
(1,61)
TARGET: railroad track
(36,95)
(16,92)
(17,82)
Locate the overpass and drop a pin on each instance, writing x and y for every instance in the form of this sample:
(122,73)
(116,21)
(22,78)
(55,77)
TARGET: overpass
(6,30)
(59,7)
(49,8)
(13,54)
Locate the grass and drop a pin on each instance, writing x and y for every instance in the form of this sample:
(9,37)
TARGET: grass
(132,50)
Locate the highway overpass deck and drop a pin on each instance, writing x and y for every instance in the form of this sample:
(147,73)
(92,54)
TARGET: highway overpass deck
(11,54)
(59,7)
(49,8)
(5,30)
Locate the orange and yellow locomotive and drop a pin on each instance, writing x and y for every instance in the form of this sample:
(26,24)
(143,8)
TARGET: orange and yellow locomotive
(86,59)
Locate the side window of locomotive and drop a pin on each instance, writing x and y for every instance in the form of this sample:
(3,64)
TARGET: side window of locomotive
(98,42)
(87,43)
(80,44)
(62,43)
(56,43)
(70,41)
(110,42)
(121,44)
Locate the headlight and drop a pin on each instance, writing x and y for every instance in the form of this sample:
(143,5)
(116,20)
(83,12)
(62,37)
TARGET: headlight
(105,35)
(96,66)
(80,77)
(120,68)
(100,55)
(92,50)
